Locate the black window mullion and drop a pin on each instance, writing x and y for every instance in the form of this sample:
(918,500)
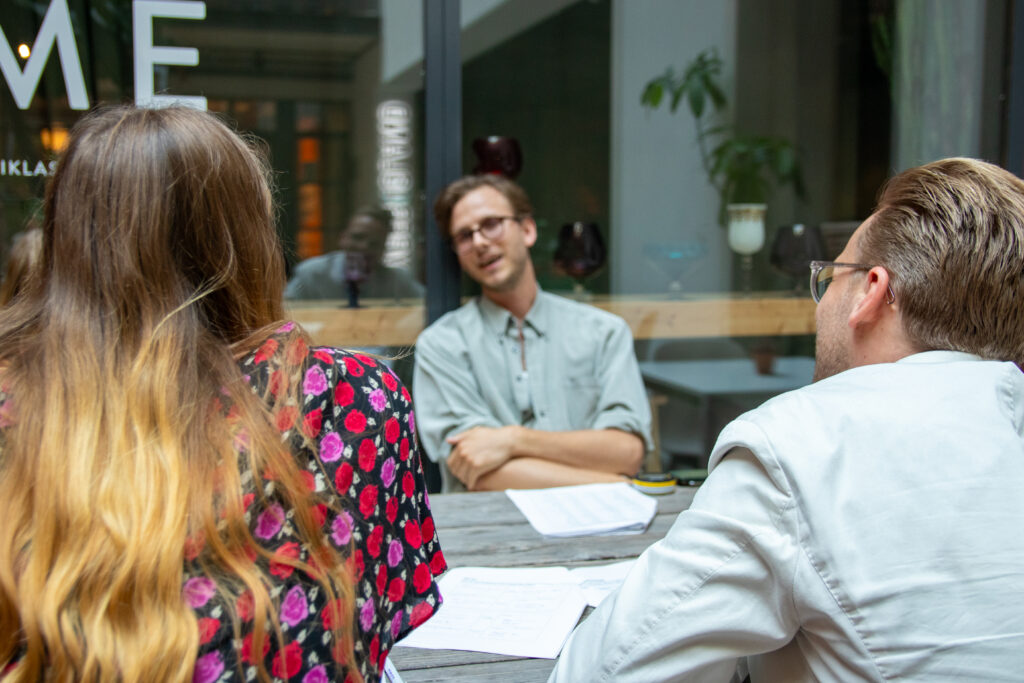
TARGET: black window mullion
(443,144)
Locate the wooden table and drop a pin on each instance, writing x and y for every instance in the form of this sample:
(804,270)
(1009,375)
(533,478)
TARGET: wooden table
(487,530)
(715,378)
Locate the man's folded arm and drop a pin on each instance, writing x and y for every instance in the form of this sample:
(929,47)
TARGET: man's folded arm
(604,450)
(534,473)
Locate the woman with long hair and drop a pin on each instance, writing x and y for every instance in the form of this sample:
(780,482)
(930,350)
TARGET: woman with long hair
(188,489)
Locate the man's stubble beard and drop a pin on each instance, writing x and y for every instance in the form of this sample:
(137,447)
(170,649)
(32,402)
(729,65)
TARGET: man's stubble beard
(831,354)
(515,276)
(829,359)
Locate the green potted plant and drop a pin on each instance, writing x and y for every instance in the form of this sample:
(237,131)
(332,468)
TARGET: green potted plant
(742,168)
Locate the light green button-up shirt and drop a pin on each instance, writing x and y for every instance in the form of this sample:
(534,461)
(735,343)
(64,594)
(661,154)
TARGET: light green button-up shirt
(566,366)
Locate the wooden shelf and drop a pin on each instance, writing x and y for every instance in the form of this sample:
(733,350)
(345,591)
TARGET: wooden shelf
(706,316)
(723,316)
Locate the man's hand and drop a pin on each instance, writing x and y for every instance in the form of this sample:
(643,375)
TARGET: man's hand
(480,450)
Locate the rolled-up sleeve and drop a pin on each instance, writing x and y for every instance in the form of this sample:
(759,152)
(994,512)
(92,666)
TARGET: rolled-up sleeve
(445,391)
(717,588)
(623,402)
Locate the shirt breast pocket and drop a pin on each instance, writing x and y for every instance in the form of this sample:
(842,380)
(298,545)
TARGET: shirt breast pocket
(582,399)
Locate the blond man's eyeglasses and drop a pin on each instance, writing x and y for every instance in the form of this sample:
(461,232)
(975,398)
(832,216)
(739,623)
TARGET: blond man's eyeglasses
(822,273)
(490,227)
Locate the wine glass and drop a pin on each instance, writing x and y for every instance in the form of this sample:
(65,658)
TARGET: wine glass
(498,155)
(793,248)
(673,259)
(580,253)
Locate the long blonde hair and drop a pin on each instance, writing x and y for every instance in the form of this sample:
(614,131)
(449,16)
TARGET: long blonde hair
(160,268)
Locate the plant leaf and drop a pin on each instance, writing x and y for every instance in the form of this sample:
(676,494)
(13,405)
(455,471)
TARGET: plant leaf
(695,98)
(716,94)
(785,161)
(740,167)
(652,94)
(717,130)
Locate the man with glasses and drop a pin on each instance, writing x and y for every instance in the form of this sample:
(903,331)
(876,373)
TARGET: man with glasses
(519,388)
(866,527)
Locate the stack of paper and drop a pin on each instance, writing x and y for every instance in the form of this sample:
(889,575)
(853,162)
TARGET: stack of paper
(518,612)
(585,510)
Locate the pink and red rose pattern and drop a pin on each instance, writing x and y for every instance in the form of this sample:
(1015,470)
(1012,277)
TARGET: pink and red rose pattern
(362,418)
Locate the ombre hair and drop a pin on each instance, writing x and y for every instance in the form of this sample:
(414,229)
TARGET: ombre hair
(951,235)
(21,262)
(160,269)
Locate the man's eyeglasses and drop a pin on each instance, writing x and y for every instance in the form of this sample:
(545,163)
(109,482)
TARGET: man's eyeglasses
(490,227)
(822,273)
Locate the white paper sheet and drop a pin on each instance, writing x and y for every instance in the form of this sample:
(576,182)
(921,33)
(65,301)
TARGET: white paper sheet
(390,673)
(518,612)
(598,582)
(585,510)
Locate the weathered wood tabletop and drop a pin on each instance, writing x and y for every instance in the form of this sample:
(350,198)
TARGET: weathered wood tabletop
(487,530)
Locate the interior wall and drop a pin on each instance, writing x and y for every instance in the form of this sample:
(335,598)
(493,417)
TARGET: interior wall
(939,81)
(548,87)
(365,96)
(817,73)
(660,197)
(788,85)
(485,24)
(401,29)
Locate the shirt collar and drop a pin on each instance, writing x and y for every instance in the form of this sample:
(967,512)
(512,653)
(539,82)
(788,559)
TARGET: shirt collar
(499,320)
(939,356)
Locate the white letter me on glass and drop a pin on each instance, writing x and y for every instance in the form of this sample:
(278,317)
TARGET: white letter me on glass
(56,28)
(147,55)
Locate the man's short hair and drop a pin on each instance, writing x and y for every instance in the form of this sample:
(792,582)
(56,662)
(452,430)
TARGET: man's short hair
(375,213)
(951,235)
(451,195)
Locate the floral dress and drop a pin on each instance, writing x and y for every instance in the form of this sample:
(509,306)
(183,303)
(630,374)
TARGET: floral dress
(362,418)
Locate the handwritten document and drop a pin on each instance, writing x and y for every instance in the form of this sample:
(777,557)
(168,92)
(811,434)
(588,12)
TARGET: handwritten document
(518,612)
(585,510)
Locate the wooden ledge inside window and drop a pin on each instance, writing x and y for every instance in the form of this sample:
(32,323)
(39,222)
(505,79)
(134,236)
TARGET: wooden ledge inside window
(391,323)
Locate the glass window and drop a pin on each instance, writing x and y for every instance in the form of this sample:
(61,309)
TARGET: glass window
(846,91)
(842,91)
(329,87)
